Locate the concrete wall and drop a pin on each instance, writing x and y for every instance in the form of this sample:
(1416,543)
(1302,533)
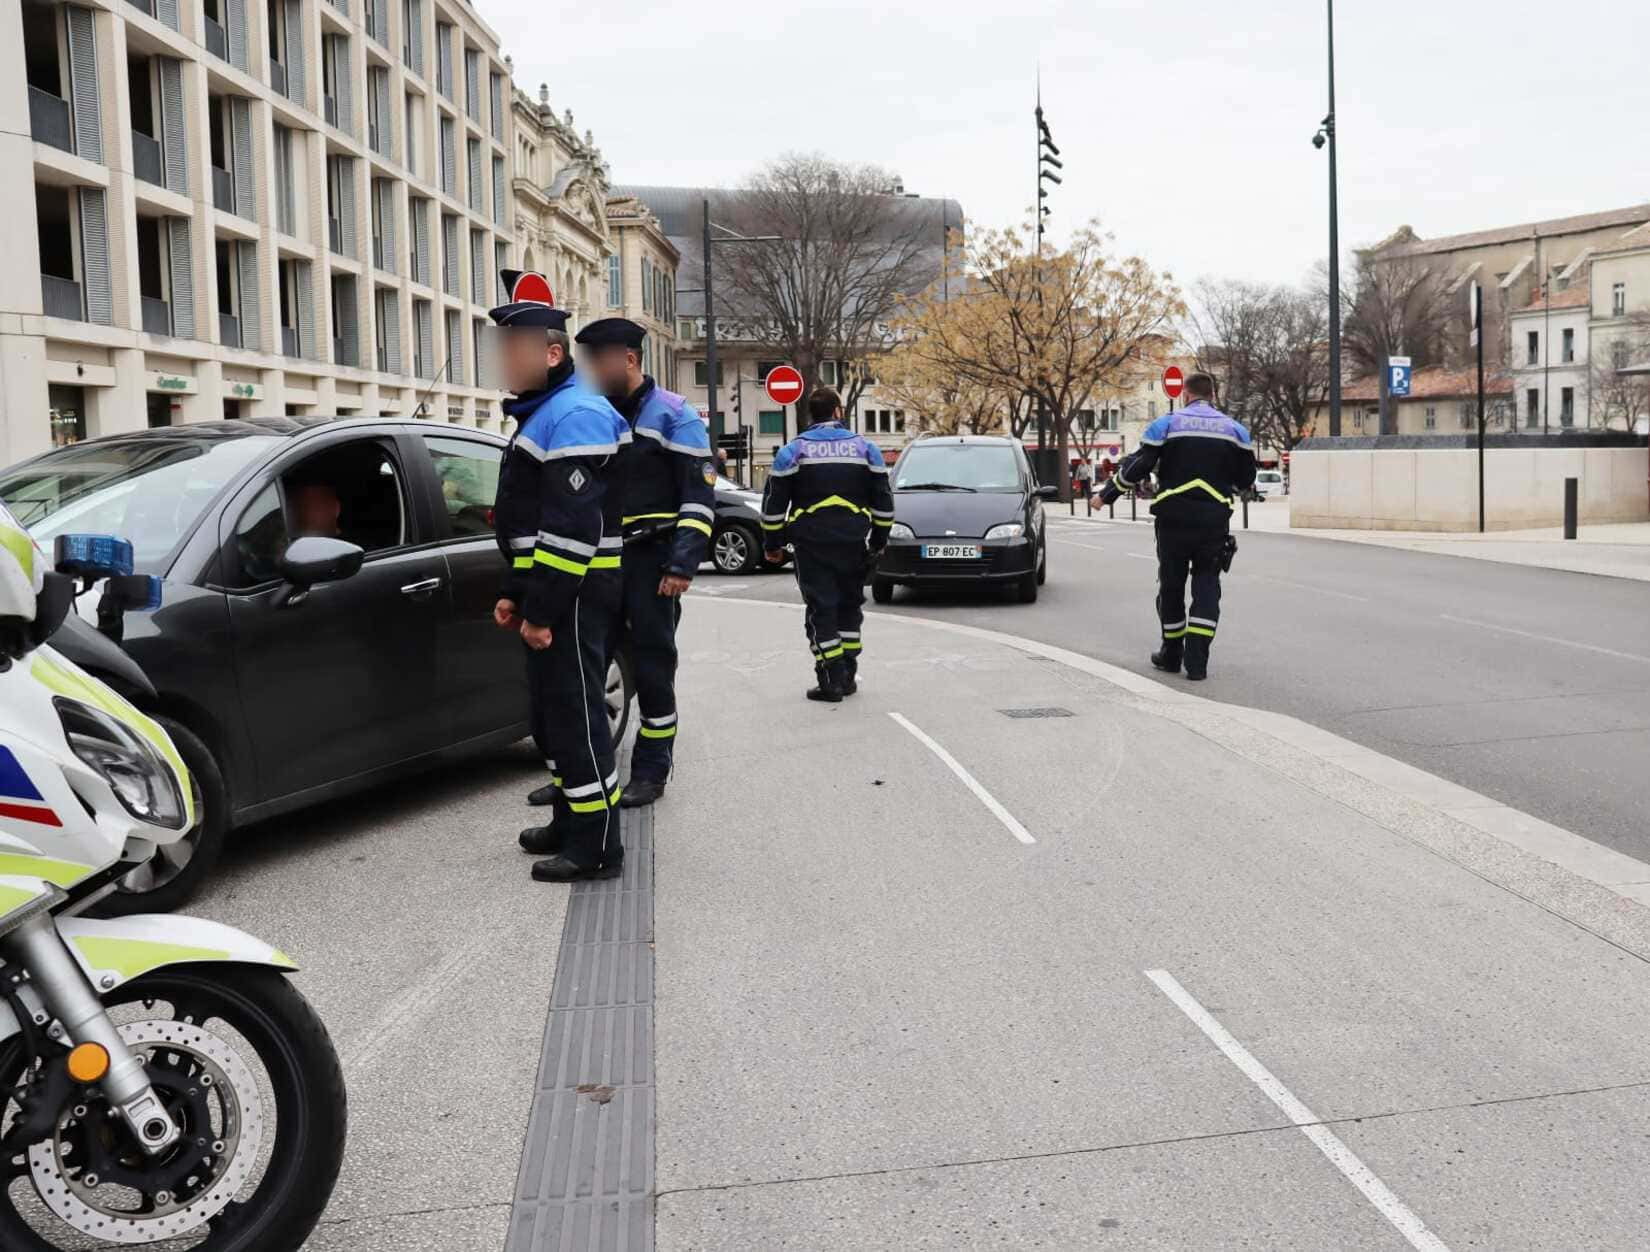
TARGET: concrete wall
(1436,489)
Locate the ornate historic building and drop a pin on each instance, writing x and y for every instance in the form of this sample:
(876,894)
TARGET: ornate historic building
(561,187)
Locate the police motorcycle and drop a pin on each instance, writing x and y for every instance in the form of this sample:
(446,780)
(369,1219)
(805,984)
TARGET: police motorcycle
(160,1078)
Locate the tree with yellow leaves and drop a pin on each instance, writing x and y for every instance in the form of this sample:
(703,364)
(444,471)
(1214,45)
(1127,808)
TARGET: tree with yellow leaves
(1035,334)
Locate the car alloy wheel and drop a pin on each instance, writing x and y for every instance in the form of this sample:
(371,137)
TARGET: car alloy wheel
(733,552)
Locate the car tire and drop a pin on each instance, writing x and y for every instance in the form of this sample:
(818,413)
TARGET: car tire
(882,590)
(1042,565)
(619,697)
(735,549)
(162,885)
(1025,590)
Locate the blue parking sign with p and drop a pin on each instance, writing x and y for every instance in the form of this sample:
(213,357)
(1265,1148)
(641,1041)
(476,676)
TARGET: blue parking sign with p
(1398,375)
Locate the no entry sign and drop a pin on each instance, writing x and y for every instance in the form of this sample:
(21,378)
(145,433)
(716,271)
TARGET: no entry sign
(784,384)
(1174,382)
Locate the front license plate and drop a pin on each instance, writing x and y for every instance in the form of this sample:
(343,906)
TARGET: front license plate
(950,551)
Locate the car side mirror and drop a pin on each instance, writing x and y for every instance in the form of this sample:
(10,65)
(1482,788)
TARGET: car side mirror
(316,559)
(1047,493)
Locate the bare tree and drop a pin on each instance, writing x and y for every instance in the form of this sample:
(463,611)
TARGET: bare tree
(848,251)
(1617,397)
(1269,346)
(1396,307)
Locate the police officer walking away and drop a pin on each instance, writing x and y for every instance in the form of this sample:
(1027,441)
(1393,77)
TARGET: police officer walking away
(1202,458)
(668,493)
(557,523)
(828,495)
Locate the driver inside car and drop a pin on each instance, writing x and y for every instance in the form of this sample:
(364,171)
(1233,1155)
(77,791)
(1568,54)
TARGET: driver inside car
(315,510)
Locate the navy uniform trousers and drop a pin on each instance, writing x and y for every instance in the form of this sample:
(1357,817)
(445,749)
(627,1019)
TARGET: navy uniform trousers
(646,626)
(1197,551)
(831,577)
(567,682)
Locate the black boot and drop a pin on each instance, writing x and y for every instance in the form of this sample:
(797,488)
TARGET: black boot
(1167,658)
(560,869)
(829,687)
(850,675)
(640,792)
(1197,658)
(544,795)
(540,840)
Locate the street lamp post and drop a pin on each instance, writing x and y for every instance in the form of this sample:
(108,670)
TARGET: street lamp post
(727,236)
(1326,135)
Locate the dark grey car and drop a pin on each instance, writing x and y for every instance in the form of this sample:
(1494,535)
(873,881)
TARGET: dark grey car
(282,695)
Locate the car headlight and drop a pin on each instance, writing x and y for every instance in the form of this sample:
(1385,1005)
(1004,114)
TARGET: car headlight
(1006,530)
(139,776)
(899,530)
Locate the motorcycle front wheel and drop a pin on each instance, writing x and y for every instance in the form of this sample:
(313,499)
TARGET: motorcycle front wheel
(247,1071)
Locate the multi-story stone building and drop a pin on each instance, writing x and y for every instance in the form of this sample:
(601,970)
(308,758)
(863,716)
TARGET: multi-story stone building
(641,282)
(247,207)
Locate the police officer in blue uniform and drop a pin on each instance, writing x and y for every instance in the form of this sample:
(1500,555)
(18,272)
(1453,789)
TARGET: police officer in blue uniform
(557,524)
(668,492)
(1202,458)
(828,495)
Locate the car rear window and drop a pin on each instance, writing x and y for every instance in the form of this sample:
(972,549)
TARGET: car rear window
(147,491)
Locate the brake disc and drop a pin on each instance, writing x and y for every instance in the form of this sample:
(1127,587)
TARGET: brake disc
(59,1168)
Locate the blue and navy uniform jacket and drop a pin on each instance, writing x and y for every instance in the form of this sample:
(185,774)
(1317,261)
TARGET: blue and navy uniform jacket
(828,486)
(668,476)
(1201,457)
(557,513)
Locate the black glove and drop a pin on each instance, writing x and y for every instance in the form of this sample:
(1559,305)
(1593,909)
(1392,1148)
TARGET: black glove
(1227,551)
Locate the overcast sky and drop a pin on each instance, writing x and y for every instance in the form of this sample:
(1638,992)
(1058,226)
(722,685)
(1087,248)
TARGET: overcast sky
(1185,125)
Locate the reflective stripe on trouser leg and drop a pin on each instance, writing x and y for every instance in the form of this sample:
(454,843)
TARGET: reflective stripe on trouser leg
(649,635)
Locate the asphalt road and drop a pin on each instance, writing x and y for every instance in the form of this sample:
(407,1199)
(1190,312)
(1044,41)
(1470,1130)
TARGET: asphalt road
(1531,686)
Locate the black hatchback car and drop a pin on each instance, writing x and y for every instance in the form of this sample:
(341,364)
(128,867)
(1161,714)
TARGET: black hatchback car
(967,509)
(279,694)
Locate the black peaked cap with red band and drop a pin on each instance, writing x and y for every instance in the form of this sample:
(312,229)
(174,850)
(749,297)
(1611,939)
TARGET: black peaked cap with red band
(531,302)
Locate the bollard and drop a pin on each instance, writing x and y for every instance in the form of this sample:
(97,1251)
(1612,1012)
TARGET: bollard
(1111,510)
(1134,516)
(1245,510)
(1570,485)
(1088,502)
(1073,503)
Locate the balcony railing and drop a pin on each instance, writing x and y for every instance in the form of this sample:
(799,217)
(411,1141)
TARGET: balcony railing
(229,330)
(146,162)
(61,298)
(217,39)
(49,119)
(277,77)
(157,316)
(289,341)
(223,189)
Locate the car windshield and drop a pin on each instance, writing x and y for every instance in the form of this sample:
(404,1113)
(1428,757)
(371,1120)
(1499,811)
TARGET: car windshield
(958,467)
(147,491)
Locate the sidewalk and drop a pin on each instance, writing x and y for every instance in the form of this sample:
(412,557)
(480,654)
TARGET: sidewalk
(886,1020)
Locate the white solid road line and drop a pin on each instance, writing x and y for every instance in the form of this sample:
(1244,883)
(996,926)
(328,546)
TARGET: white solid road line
(1410,1226)
(1072,543)
(969,781)
(1568,643)
(1141,556)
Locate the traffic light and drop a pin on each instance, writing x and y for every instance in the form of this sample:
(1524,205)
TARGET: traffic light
(738,401)
(1048,160)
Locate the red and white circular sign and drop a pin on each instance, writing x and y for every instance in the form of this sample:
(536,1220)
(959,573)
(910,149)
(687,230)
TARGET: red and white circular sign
(1174,382)
(784,384)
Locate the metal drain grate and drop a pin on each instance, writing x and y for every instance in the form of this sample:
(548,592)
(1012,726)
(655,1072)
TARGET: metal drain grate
(1037,712)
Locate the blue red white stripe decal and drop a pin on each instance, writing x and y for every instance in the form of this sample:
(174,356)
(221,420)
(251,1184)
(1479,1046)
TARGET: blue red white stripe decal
(19,797)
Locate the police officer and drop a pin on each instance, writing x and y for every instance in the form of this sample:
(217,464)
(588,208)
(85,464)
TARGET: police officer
(557,523)
(1201,458)
(828,495)
(669,506)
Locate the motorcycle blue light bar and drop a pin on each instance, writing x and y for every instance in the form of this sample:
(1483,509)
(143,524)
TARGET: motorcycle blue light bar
(93,556)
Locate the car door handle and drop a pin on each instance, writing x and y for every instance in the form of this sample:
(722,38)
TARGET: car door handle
(421,588)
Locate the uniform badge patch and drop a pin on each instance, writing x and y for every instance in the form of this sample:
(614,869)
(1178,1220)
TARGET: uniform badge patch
(577,480)
(710,474)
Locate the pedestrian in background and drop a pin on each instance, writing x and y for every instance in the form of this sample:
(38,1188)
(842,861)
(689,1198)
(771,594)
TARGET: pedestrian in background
(828,495)
(557,503)
(1202,459)
(668,491)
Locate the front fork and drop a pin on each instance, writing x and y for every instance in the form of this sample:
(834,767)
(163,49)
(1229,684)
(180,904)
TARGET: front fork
(69,997)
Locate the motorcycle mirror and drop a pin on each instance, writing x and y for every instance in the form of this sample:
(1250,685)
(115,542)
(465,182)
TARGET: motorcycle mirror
(92,556)
(51,607)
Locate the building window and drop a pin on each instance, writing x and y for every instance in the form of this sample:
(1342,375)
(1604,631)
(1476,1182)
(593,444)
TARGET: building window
(1567,407)
(770,422)
(1618,354)
(1618,300)
(699,374)
(647,285)
(1532,407)
(1532,355)
(828,373)
(1568,353)
(647,354)
(615,284)
(1432,417)
(899,421)
(763,368)
(1151,410)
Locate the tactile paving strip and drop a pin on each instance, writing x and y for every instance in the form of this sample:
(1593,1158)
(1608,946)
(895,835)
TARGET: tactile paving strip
(586,1179)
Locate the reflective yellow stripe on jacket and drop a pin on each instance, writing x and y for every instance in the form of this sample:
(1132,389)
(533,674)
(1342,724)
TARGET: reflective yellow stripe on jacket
(1195,483)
